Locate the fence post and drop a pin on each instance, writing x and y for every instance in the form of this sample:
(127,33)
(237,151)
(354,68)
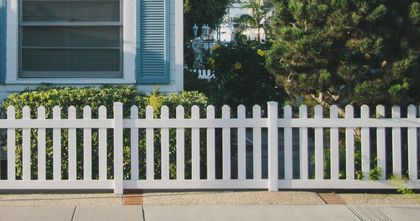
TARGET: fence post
(118,148)
(272,118)
(11,146)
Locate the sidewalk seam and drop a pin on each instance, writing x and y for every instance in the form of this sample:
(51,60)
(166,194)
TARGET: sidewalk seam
(142,210)
(74,213)
(323,200)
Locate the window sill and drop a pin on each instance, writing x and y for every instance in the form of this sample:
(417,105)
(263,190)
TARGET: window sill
(30,81)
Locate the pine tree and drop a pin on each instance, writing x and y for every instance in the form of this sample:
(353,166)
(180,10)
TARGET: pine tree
(348,51)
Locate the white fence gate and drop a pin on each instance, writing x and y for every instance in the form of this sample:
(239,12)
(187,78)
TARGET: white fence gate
(223,153)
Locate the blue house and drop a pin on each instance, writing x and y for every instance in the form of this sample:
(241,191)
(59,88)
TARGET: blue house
(91,43)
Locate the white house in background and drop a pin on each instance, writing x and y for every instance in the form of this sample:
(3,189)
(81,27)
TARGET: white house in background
(91,43)
(230,26)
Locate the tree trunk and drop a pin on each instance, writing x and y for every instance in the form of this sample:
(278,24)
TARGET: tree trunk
(258,34)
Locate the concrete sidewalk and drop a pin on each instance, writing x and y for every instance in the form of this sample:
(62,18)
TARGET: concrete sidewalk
(211,206)
(211,213)
(283,212)
(71,213)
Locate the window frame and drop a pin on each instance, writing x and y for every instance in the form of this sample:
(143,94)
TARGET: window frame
(76,74)
(128,47)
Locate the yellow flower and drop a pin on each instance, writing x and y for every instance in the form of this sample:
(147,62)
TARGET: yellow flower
(260,52)
(238,66)
(212,62)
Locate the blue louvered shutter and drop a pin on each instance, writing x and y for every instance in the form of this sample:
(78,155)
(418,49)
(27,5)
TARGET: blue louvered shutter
(152,52)
(2,41)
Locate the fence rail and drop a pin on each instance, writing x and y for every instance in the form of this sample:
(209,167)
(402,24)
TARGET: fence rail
(293,151)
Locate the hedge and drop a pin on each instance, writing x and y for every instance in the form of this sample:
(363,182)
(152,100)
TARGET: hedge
(94,97)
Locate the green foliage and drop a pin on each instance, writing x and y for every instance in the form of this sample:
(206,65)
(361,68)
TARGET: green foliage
(414,13)
(202,12)
(94,97)
(400,183)
(347,52)
(375,173)
(257,18)
(79,97)
(241,76)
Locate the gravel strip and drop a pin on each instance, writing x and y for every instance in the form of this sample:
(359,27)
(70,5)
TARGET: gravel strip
(205,198)
(381,199)
(232,198)
(107,199)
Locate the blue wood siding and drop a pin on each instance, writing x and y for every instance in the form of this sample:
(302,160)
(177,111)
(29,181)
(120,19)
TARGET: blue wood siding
(2,41)
(152,60)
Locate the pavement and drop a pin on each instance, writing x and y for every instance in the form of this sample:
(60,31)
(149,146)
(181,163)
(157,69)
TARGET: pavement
(212,213)
(210,206)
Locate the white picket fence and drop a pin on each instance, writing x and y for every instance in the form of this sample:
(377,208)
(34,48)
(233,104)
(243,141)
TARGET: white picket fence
(258,149)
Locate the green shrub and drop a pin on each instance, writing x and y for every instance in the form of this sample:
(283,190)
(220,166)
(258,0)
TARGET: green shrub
(400,184)
(374,173)
(241,76)
(94,97)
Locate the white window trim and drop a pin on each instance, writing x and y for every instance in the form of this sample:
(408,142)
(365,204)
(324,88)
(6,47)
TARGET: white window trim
(129,50)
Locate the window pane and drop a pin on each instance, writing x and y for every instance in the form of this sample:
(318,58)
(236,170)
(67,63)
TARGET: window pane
(71,60)
(71,10)
(47,36)
(84,49)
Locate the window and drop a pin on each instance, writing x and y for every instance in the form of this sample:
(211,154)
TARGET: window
(70,39)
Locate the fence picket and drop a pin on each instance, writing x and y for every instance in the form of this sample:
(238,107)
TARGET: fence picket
(319,146)
(134,144)
(211,152)
(273,165)
(241,145)
(365,142)
(226,123)
(349,144)
(396,143)
(11,146)
(180,145)
(72,145)
(226,144)
(412,145)
(164,114)
(303,144)
(380,143)
(118,148)
(57,145)
(87,146)
(334,151)
(150,173)
(256,141)
(288,146)
(41,146)
(195,145)
(26,146)
(103,143)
